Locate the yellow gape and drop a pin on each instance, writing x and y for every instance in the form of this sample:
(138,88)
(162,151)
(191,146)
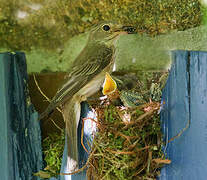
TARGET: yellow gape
(109,85)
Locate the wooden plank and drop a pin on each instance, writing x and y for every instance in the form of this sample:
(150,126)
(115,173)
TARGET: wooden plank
(185,97)
(5,140)
(175,114)
(20,146)
(197,141)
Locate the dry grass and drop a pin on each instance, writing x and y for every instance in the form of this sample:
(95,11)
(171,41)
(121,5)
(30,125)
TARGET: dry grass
(128,144)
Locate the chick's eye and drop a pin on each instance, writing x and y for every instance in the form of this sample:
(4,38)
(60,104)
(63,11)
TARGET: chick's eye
(106,27)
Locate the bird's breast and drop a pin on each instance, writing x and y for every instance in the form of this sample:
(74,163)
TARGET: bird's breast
(95,84)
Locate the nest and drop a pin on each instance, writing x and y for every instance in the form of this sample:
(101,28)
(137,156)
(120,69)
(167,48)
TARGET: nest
(128,144)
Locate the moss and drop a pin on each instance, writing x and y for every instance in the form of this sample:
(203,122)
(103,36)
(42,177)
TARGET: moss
(56,21)
(53,147)
(124,151)
(204,15)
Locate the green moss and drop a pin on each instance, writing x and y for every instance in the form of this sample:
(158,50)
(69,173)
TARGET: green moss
(57,21)
(204,15)
(114,142)
(53,147)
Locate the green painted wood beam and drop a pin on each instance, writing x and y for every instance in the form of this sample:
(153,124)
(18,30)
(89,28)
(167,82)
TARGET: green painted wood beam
(135,52)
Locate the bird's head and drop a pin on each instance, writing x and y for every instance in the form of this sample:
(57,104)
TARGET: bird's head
(108,32)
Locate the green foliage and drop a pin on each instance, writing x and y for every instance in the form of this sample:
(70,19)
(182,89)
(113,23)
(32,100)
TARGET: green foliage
(204,15)
(53,147)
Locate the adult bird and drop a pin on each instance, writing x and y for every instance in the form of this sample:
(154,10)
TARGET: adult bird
(86,77)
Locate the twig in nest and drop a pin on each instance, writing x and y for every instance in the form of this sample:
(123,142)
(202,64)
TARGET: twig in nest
(146,114)
(92,119)
(141,149)
(161,161)
(55,124)
(176,136)
(128,152)
(181,132)
(124,136)
(112,168)
(83,120)
(142,106)
(138,172)
(149,161)
(120,152)
(82,136)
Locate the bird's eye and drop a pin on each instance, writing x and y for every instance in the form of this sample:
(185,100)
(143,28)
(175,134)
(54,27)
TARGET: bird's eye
(106,27)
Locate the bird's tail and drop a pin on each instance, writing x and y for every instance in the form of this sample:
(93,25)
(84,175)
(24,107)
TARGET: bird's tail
(71,114)
(55,102)
(48,111)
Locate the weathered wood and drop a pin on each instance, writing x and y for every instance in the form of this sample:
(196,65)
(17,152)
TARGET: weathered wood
(185,97)
(20,140)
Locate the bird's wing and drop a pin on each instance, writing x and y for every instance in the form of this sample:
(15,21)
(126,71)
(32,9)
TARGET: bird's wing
(80,75)
(77,79)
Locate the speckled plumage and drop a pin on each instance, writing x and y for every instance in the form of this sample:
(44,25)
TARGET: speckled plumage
(86,77)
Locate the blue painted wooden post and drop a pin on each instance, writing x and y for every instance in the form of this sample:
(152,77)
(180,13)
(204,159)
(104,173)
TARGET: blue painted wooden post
(185,97)
(20,140)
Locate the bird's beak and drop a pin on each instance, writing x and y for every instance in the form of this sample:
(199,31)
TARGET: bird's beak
(129,29)
(126,30)
(109,85)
